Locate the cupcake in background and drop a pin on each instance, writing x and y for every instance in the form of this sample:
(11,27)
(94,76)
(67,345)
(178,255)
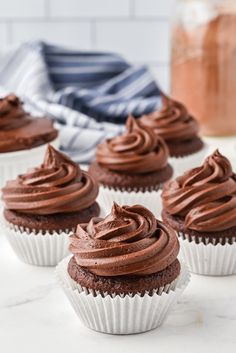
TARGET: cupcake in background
(132,168)
(180,132)
(44,205)
(124,275)
(23,138)
(201,207)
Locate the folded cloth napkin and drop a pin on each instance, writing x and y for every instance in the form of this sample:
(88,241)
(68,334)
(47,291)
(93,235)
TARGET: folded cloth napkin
(88,94)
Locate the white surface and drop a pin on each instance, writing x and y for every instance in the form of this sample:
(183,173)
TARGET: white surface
(36,317)
(138,29)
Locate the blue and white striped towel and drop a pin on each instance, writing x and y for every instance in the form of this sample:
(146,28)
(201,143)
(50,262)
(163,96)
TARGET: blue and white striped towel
(88,94)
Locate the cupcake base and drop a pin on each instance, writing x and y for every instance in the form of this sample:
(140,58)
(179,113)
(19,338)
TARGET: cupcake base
(227,236)
(130,182)
(119,314)
(123,284)
(52,222)
(185,148)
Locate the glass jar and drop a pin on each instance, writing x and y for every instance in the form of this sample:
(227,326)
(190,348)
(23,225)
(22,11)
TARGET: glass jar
(203,63)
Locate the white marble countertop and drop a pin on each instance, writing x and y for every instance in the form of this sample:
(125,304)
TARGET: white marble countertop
(36,317)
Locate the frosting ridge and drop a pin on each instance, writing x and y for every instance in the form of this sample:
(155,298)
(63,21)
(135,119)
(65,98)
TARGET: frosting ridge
(172,122)
(12,114)
(129,241)
(205,197)
(19,130)
(138,150)
(57,186)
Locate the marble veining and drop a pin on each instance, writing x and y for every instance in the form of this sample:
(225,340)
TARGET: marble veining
(35,316)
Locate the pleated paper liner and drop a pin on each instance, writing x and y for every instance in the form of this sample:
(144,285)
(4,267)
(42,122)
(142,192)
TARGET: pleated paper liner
(119,314)
(207,258)
(36,247)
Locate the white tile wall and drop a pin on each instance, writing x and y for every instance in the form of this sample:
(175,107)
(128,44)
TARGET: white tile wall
(139,41)
(3,36)
(154,8)
(89,8)
(73,34)
(138,29)
(22,8)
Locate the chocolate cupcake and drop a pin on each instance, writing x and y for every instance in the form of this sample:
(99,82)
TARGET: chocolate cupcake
(44,205)
(132,168)
(124,264)
(180,131)
(201,207)
(23,138)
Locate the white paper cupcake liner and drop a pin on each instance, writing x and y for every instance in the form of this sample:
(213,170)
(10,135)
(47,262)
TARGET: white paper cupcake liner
(182,164)
(14,163)
(37,248)
(208,259)
(149,199)
(120,314)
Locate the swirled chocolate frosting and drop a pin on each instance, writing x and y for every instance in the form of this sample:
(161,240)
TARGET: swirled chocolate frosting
(138,150)
(57,186)
(204,197)
(129,241)
(172,122)
(19,130)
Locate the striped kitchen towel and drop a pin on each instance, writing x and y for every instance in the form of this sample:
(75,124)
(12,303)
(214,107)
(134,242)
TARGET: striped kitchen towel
(88,94)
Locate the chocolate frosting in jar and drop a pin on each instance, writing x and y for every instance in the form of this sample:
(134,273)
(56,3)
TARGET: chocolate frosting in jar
(129,241)
(172,122)
(204,197)
(19,130)
(57,186)
(138,150)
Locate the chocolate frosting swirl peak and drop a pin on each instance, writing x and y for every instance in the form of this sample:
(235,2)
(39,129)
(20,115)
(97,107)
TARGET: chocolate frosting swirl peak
(138,150)
(12,115)
(21,131)
(204,197)
(57,186)
(172,121)
(129,241)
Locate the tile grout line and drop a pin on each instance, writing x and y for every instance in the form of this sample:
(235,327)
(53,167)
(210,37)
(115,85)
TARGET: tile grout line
(47,9)
(132,9)
(93,36)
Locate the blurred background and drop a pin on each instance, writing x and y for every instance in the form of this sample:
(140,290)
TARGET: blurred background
(137,29)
